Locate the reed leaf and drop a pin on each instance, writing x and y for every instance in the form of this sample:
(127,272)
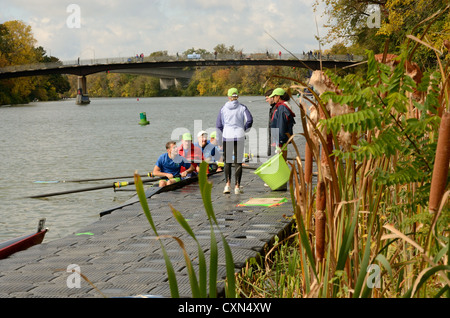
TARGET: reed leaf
(213,264)
(205,188)
(423,277)
(170,271)
(363,267)
(195,289)
(202,287)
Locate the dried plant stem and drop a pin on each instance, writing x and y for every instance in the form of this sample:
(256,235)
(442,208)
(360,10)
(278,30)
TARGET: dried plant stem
(320,220)
(308,164)
(440,170)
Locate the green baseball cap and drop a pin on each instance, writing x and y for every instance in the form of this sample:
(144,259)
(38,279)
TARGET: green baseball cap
(187,136)
(213,134)
(233,92)
(278,92)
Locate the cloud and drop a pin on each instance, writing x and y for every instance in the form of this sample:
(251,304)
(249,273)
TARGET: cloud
(125,28)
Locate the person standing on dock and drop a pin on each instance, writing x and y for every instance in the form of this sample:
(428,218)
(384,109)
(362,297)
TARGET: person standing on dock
(269,100)
(233,121)
(169,164)
(282,118)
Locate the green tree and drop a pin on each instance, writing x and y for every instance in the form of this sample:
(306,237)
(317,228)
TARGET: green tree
(18,42)
(17,47)
(222,49)
(198,51)
(347,23)
(49,87)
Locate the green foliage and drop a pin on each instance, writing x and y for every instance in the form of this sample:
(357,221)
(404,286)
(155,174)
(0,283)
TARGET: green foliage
(17,48)
(377,193)
(199,286)
(381,105)
(347,24)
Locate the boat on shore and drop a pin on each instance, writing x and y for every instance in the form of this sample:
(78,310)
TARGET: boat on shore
(24,242)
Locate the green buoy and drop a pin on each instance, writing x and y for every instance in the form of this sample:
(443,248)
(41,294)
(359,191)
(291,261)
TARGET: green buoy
(144,120)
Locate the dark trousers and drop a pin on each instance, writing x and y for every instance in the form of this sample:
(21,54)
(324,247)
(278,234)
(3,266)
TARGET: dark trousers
(237,148)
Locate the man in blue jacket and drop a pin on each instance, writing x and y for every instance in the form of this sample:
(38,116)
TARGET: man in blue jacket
(233,121)
(282,119)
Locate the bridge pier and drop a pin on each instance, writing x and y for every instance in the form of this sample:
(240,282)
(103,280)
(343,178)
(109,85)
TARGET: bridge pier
(82,95)
(165,83)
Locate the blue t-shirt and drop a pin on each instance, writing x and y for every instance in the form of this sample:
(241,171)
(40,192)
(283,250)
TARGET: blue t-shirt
(167,165)
(209,151)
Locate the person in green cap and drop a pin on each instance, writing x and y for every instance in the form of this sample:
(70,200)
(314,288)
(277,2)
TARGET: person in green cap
(190,153)
(269,100)
(282,119)
(233,121)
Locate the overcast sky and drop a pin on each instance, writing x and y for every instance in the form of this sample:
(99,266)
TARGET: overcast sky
(118,28)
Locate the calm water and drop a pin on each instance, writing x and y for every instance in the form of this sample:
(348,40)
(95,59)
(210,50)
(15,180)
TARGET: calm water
(49,141)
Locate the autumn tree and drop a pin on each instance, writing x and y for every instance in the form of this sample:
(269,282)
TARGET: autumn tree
(18,42)
(17,47)
(348,23)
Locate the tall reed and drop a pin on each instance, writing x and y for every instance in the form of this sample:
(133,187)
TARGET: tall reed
(200,287)
(364,230)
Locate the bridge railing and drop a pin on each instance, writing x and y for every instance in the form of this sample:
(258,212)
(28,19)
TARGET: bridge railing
(182,57)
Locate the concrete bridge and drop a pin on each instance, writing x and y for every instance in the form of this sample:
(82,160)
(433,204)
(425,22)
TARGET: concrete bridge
(170,69)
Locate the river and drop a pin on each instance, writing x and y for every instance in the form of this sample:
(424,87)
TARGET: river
(55,141)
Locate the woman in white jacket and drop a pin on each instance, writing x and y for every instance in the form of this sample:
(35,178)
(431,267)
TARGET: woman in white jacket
(233,121)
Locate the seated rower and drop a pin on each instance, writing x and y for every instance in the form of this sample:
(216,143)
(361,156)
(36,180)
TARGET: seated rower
(211,153)
(190,153)
(169,165)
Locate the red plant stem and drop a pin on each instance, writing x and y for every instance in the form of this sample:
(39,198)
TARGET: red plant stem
(441,162)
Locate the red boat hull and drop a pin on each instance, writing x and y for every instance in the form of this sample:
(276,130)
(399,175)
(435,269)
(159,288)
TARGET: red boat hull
(21,243)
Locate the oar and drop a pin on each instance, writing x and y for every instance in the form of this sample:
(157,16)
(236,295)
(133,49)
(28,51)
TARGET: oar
(115,185)
(222,165)
(262,156)
(94,179)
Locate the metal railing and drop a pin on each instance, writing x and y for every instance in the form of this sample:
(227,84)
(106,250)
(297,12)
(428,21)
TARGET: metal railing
(182,57)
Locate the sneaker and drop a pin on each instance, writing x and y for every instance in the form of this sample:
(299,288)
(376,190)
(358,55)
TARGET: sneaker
(226,190)
(238,191)
(266,185)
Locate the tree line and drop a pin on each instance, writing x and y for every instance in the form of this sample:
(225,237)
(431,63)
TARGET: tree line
(207,81)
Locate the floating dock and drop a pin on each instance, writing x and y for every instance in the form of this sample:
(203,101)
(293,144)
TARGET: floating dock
(121,257)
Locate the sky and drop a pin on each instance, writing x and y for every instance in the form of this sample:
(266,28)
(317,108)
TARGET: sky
(122,28)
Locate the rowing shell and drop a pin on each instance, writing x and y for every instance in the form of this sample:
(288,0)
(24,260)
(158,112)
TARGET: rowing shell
(155,190)
(21,243)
